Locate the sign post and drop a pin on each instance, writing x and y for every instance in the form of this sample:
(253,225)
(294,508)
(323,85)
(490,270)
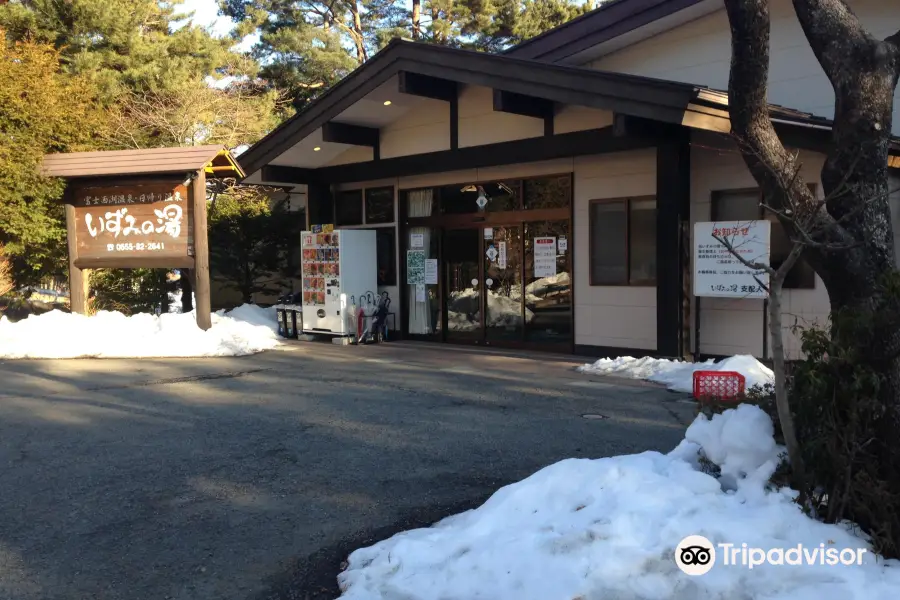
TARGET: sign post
(201,252)
(717,272)
(140,209)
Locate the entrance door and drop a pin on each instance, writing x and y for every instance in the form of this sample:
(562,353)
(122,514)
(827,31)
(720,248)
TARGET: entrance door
(502,264)
(463,285)
(483,283)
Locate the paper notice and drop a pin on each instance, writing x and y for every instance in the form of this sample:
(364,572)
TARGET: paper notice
(544,257)
(431,271)
(420,292)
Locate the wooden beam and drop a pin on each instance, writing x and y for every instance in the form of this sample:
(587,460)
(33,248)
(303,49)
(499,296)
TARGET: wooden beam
(454,123)
(77,279)
(427,86)
(201,252)
(354,135)
(520,104)
(279,174)
(577,143)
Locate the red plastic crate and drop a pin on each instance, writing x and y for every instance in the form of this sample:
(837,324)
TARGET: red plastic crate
(718,385)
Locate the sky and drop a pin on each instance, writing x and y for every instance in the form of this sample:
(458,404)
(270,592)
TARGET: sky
(207,14)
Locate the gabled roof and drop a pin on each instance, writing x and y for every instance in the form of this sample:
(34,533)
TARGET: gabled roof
(626,94)
(610,20)
(150,161)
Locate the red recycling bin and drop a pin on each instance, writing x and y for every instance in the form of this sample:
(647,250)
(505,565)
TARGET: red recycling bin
(718,385)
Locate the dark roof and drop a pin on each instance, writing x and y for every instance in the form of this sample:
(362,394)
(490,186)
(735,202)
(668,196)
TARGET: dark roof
(602,24)
(150,161)
(627,94)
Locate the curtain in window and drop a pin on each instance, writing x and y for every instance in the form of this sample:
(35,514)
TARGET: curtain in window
(419,205)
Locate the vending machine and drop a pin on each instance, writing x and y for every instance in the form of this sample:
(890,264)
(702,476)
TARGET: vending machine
(338,267)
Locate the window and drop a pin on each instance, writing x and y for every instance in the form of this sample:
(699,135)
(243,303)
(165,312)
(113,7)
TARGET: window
(746,205)
(380,205)
(623,241)
(547,192)
(385,244)
(349,208)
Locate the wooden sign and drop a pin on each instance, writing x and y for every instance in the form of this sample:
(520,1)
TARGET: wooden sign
(134,226)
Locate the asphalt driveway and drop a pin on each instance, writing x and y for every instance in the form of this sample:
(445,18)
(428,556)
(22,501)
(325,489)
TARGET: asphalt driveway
(251,478)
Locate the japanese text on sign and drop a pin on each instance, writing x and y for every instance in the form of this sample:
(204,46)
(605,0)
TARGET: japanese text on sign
(718,272)
(150,219)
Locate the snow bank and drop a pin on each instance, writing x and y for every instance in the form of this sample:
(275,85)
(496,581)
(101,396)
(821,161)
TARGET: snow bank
(608,528)
(245,330)
(678,376)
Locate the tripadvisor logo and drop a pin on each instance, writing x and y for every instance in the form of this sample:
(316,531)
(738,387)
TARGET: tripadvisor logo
(696,555)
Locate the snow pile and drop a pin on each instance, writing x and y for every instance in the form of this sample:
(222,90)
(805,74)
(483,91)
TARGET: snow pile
(677,375)
(608,528)
(245,330)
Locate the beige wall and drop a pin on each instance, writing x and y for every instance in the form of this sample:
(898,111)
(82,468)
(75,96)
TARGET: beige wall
(736,326)
(425,128)
(579,118)
(700,52)
(480,125)
(622,316)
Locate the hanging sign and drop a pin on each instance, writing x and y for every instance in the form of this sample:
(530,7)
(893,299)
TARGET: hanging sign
(562,244)
(717,272)
(491,253)
(431,271)
(544,257)
(417,240)
(147,221)
(415,266)
(501,255)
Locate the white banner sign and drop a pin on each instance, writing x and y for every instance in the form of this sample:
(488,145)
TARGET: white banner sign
(717,272)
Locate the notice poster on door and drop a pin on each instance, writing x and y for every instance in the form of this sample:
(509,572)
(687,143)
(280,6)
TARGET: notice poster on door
(420,292)
(501,255)
(415,266)
(431,271)
(544,257)
(417,240)
(563,244)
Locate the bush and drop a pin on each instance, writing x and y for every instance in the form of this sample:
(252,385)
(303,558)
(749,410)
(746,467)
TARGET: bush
(853,471)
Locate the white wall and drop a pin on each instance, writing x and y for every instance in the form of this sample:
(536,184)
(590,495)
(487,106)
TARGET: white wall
(621,316)
(700,52)
(736,326)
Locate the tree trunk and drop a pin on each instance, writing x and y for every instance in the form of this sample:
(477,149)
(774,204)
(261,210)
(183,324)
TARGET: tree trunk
(416,19)
(785,417)
(358,39)
(850,243)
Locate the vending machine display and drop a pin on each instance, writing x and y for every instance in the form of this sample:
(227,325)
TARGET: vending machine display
(336,266)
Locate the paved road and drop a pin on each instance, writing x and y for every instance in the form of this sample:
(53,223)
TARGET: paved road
(251,478)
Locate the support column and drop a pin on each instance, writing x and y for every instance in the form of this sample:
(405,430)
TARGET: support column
(78,280)
(673,204)
(201,252)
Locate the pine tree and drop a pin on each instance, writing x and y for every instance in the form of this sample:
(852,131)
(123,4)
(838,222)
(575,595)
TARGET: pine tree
(124,45)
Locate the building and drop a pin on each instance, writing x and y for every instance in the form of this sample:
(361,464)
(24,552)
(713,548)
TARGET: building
(607,134)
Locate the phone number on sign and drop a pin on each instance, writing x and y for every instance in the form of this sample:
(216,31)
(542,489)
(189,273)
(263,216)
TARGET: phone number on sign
(136,247)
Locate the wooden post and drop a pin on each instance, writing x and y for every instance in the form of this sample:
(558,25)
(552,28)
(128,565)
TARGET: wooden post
(201,252)
(77,280)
